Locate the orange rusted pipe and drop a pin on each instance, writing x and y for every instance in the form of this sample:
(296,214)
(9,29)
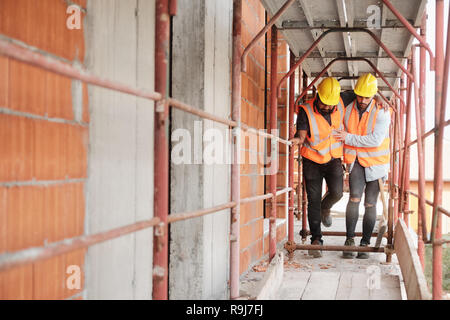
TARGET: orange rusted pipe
(274,143)
(161,164)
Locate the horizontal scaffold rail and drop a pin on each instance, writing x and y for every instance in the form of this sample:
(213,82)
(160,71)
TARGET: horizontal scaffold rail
(31,255)
(12,48)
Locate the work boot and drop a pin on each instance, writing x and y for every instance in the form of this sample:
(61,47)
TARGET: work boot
(326,217)
(349,254)
(316,253)
(363,255)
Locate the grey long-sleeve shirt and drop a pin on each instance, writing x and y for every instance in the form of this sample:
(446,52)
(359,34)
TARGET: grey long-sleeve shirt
(375,139)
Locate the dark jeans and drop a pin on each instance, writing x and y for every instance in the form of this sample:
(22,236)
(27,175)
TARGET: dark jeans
(314,174)
(358,182)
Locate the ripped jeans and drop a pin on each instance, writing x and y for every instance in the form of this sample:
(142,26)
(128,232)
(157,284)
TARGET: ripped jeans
(357,180)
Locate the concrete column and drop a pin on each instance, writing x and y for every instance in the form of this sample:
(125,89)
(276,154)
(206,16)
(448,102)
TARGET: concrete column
(201,73)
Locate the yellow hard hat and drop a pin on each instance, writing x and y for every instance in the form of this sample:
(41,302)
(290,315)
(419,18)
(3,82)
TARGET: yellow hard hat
(329,91)
(367,86)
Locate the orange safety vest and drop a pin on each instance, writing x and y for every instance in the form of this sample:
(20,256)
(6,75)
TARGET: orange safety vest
(321,146)
(367,156)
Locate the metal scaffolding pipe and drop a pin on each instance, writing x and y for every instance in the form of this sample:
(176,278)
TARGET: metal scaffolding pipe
(299,188)
(199,213)
(302,187)
(420,113)
(441,82)
(198,112)
(399,177)
(283,191)
(387,101)
(263,32)
(421,218)
(173,5)
(426,135)
(430,203)
(406,97)
(391,190)
(343,234)
(246,128)
(291,151)
(235,167)
(256,198)
(404,180)
(394,191)
(324,70)
(161,164)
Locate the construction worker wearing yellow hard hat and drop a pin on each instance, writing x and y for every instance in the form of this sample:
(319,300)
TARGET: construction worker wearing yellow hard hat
(366,154)
(321,154)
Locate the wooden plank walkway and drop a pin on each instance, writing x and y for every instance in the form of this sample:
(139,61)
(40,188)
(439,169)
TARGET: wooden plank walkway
(334,278)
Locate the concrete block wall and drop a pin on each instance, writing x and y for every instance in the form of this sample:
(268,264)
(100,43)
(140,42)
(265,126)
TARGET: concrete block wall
(201,76)
(120,46)
(44,127)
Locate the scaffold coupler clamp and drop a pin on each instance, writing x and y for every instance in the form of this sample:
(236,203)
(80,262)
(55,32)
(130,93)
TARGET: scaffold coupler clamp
(290,246)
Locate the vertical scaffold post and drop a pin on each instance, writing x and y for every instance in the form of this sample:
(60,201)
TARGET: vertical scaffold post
(395,169)
(161,165)
(406,153)
(291,150)
(303,186)
(236,143)
(391,186)
(422,226)
(438,145)
(273,142)
(420,125)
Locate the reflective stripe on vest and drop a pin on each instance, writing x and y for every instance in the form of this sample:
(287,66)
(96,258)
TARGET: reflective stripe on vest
(367,156)
(321,146)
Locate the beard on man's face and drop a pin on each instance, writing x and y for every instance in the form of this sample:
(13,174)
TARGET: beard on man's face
(363,105)
(327,111)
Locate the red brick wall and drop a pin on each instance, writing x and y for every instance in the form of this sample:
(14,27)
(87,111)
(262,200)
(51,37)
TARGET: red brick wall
(282,125)
(43,162)
(253,246)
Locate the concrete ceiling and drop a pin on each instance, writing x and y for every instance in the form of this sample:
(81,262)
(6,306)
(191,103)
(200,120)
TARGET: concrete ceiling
(295,25)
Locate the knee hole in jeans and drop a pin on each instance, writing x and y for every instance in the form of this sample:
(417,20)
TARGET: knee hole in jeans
(355,200)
